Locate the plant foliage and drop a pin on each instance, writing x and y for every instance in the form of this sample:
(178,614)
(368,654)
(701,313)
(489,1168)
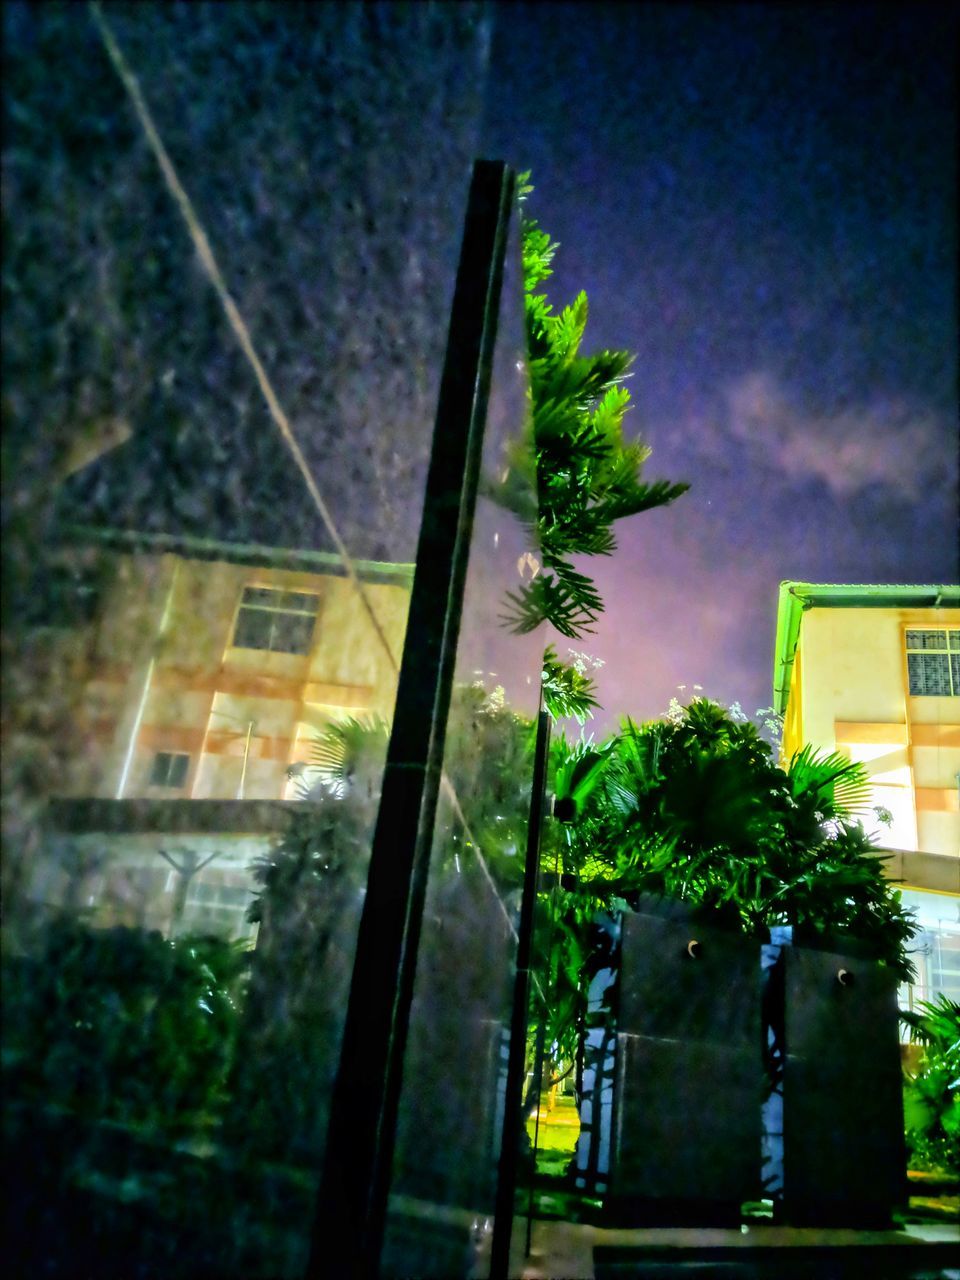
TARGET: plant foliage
(931,1100)
(567,689)
(124,1024)
(694,808)
(572,474)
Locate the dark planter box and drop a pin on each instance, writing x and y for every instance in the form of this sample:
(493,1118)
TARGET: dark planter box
(843,1147)
(686,1140)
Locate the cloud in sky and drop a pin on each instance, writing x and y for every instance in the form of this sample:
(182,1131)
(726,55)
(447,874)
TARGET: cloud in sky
(902,447)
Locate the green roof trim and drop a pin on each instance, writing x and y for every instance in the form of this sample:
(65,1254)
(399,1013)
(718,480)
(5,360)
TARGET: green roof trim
(796,597)
(192,548)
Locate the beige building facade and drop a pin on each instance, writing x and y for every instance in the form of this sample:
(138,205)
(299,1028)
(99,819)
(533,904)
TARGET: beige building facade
(874,673)
(189,688)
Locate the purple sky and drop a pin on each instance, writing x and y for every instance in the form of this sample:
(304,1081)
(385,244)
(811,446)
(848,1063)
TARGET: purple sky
(761,203)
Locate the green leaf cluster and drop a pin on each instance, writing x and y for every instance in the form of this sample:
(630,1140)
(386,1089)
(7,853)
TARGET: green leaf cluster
(567,690)
(694,808)
(697,809)
(124,1024)
(573,473)
(931,1099)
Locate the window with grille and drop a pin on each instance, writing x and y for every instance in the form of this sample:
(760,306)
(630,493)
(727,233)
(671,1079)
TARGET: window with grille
(933,663)
(169,769)
(277,621)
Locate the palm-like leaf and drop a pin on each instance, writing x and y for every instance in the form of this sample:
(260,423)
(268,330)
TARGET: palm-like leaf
(349,754)
(829,782)
(571,474)
(934,1022)
(566,691)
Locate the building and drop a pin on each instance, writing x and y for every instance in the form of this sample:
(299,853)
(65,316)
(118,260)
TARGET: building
(177,686)
(184,629)
(874,673)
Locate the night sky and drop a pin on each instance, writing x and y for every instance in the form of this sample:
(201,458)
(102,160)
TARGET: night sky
(761,203)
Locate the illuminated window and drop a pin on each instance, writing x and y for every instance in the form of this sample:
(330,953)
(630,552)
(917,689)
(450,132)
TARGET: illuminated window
(169,769)
(933,663)
(217,905)
(278,621)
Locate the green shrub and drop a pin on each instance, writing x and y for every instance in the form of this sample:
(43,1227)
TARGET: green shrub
(931,1096)
(123,1024)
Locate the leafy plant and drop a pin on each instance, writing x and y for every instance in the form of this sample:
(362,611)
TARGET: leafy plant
(124,1024)
(573,474)
(931,1098)
(567,689)
(693,807)
(347,757)
(310,894)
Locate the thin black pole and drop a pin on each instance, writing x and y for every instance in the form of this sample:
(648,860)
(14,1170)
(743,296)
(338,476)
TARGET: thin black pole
(355,1181)
(538,1085)
(541,1049)
(513,1102)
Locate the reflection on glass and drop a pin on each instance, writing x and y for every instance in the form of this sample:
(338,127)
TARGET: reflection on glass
(196,689)
(451,1108)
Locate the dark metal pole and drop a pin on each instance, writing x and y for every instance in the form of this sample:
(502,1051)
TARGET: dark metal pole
(513,1104)
(355,1181)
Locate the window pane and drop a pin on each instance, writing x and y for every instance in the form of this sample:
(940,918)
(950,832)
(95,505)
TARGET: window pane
(258,595)
(254,627)
(926,640)
(929,674)
(161,766)
(195,1060)
(294,601)
(292,632)
(954,637)
(955,673)
(169,770)
(177,773)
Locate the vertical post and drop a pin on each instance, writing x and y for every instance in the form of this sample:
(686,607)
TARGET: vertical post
(355,1180)
(513,1105)
(246,754)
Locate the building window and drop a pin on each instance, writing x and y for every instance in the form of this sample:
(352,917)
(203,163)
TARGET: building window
(218,907)
(933,663)
(169,769)
(278,621)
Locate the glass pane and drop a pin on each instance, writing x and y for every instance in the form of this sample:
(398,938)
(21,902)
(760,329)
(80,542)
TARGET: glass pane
(929,674)
(926,640)
(167,1054)
(451,1109)
(290,601)
(169,770)
(254,629)
(291,633)
(954,639)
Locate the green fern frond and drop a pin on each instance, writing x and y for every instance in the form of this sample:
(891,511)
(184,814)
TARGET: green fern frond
(580,472)
(566,691)
(835,785)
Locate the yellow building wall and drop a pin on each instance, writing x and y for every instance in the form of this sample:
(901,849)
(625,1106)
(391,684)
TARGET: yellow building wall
(853,697)
(163,676)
